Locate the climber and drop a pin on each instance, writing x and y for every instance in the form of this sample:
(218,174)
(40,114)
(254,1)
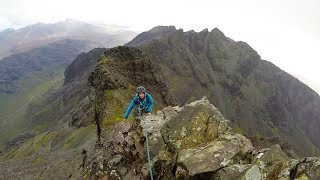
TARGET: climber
(143,100)
(144,104)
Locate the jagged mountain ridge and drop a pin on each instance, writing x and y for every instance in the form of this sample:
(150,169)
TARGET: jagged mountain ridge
(259,97)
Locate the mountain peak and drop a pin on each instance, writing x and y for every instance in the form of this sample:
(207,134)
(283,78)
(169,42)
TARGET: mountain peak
(217,32)
(70,20)
(8,30)
(153,33)
(161,31)
(163,28)
(204,30)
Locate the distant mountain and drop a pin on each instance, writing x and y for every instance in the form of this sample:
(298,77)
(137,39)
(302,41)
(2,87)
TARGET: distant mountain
(35,35)
(261,99)
(26,76)
(45,59)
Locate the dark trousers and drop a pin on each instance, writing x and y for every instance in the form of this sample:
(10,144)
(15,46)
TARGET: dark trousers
(138,135)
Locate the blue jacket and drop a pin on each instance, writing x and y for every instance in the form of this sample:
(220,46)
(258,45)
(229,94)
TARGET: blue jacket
(145,103)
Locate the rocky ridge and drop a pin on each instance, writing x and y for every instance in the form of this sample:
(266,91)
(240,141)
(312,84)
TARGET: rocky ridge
(192,142)
(259,98)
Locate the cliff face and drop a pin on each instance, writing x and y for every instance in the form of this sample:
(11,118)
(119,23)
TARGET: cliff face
(261,99)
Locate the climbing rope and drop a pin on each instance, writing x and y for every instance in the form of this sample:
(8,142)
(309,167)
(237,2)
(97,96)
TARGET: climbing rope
(147,143)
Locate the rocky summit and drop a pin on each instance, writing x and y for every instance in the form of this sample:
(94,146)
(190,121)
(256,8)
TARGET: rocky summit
(191,142)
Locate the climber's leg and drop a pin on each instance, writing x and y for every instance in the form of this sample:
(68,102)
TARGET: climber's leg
(137,133)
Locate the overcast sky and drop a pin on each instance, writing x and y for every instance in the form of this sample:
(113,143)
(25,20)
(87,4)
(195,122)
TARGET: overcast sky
(285,32)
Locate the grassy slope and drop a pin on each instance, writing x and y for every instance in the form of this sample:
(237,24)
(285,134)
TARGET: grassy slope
(33,86)
(62,139)
(61,136)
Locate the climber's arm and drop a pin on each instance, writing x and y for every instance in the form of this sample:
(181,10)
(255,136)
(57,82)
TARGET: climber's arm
(149,109)
(130,107)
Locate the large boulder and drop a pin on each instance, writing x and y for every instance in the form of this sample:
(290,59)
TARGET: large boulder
(194,141)
(202,139)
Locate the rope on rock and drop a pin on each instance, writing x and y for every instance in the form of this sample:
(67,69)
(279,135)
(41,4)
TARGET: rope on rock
(147,143)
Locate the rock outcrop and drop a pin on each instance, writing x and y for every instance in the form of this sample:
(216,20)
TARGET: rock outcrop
(191,142)
(118,72)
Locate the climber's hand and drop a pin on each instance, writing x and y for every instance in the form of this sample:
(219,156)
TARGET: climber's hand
(149,113)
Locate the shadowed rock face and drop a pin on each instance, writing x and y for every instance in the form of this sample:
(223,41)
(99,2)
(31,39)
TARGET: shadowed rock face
(127,68)
(113,83)
(260,98)
(191,142)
